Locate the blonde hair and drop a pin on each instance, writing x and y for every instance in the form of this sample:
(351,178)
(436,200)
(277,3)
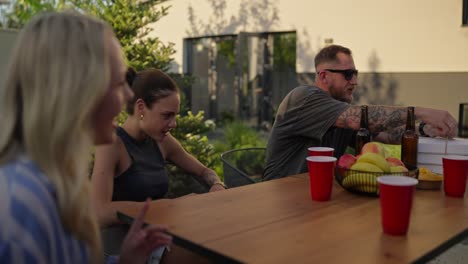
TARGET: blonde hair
(58,74)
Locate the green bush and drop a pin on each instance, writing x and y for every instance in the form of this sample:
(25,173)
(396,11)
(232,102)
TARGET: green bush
(191,133)
(237,135)
(225,118)
(191,124)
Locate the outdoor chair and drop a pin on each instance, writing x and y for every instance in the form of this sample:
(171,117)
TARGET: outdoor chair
(243,166)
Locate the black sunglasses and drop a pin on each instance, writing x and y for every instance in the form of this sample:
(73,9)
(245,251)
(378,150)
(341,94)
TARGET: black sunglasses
(348,73)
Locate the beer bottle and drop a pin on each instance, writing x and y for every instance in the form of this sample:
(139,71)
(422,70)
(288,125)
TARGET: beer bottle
(363,135)
(409,140)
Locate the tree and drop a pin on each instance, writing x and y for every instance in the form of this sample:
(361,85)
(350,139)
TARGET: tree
(130,20)
(23,10)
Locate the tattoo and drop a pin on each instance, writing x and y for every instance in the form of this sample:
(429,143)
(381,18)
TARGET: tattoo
(384,118)
(350,118)
(381,118)
(210,177)
(397,133)
(392,136)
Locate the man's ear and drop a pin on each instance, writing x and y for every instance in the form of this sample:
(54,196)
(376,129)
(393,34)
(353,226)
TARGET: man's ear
(322,76)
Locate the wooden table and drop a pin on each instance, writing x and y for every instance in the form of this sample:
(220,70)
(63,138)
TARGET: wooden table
(277,222)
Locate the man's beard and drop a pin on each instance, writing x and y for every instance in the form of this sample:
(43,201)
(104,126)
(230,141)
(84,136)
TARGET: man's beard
(341,96)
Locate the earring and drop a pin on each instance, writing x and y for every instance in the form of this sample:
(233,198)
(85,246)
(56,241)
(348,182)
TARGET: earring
(141,117)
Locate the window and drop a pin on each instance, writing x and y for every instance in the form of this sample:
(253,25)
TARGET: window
(247,74)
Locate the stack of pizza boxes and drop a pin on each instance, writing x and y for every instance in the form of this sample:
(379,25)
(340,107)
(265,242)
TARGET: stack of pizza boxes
(432,150)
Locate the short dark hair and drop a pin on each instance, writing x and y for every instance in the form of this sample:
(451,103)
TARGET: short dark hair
(328,54)
(150,85)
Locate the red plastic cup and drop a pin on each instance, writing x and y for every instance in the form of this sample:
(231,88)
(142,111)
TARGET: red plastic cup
(321,176)
(396,200)
(455,173)
(320,151)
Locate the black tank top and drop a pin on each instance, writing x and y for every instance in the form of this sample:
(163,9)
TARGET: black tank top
(146,176)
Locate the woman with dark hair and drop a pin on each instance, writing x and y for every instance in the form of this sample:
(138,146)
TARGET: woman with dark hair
(133,167)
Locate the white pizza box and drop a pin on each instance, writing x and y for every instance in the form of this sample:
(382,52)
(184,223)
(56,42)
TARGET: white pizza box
(434,168)
(429,158)
(455,146)
(434,159)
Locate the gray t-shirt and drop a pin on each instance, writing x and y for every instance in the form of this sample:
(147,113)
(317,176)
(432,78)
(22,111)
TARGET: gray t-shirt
(305,118)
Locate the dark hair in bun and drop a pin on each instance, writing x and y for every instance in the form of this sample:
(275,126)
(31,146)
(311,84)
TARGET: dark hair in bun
(130,76)
(151,85)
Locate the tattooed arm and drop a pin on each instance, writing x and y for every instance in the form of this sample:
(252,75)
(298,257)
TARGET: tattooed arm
(381,118)
(388,118)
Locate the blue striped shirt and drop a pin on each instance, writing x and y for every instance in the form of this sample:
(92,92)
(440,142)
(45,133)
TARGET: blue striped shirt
(30,226)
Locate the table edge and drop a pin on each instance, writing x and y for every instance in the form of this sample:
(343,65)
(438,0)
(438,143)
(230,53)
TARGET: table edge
(187,244)
(442,247)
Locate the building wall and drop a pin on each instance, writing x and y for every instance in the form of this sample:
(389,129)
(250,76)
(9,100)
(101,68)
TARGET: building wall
(402,35)
(421,44)
(441,90)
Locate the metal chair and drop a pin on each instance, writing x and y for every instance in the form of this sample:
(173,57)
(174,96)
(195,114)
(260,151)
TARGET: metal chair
(243,166)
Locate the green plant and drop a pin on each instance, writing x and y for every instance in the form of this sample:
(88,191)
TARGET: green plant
(121,117)
(239,135)
(191,132)
(226,48)
(184,82)
(225,117)
(284,56)
(191,124)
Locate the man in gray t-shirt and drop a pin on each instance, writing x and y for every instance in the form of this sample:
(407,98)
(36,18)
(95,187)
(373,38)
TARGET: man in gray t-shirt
(321,115)
(305,118)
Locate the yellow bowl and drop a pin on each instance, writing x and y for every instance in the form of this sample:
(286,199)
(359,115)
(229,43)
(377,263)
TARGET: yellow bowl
(429,180)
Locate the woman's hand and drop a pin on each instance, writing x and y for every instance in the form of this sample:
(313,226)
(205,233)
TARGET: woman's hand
(217,187)
(141,241)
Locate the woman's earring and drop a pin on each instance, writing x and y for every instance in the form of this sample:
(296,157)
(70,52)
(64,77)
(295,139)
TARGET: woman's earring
(141,117)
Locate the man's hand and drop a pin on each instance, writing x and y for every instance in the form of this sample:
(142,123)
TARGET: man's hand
(141,241)
(439,123)
(435,132)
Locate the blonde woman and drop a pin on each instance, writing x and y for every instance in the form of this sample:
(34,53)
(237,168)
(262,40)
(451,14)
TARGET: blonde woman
(65,85)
